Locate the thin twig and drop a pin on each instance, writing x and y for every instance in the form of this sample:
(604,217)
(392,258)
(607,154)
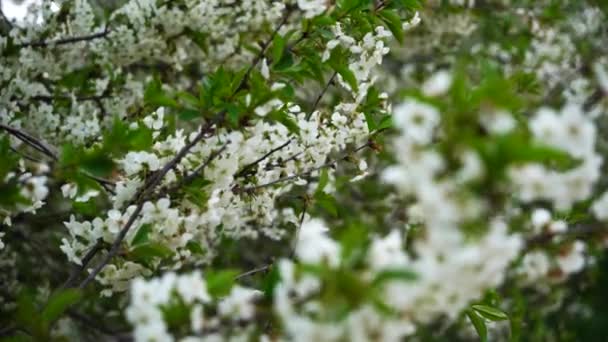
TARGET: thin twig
(68,40)
(257,161)
(576,231)
(30,140)
(114,248)
(283,162)
(320,96)
(250,189)
(264,46)
(190,177)
(47,150)
(253,271)
(79,268)
(48,98)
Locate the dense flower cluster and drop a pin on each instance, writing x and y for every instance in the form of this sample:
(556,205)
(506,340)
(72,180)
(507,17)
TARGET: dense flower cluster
(300,170)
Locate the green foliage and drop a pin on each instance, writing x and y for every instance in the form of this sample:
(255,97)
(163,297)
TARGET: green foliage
(142,235)
(488,312)
(393,20)
(58,303)
(120,137)
(9,190)
(155,96)
(37,323)
(219,283)
(147,252)
(479,324)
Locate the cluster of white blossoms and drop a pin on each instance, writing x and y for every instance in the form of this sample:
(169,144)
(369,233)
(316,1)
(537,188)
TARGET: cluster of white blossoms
(33,189)
(573,131)
(446,280)
(451,269)
(187,293)
(449,274)
(203,118)
(234,169)
(140,36)
(443,204)
(538,264)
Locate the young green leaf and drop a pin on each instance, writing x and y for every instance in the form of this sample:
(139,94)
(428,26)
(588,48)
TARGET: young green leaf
(490,313)
(59,303)
(393,21)
(479,324)
(142,235)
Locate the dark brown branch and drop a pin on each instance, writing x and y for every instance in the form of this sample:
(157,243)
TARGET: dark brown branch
(190,177)
(48,98)
(593,99)
(115,246)
(30,140)
(577,231)
(253,271)
(93,323)
(43,148)
(257,161)
(321,94)
(251,189)
(79,268)
(263,48)
(68,40)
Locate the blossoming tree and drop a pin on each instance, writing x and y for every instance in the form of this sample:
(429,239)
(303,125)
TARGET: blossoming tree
(306,170)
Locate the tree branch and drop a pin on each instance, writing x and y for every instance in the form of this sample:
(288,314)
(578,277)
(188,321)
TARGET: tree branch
(68,40)
(257,161)
(236,189)
(320,96)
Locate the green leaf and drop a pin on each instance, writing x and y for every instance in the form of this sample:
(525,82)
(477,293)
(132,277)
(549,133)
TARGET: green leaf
(282,117)
(348,76)
(278,45)
(408,4)
(154,95)
(97,162)
(233,114)
(145,253)
(120,138)
(199,38)
(189,99)
(369,119)
(327,202)
(271,280)
(386,122)
(490,313)
(393,21)
(479,324)
(394,274)
(285,63)
(323,180)
(195,247)
(142,235)
(59,303)
(350,5)
(189,114)
(27,315)
(219,283)
(354,240)
(175,314)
